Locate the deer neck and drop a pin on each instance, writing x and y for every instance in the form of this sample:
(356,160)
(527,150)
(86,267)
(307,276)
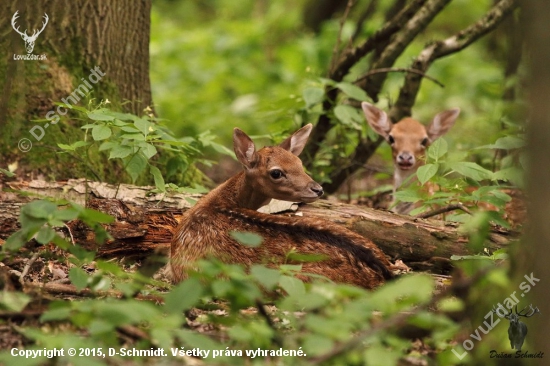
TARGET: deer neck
(237,192)
(400,176)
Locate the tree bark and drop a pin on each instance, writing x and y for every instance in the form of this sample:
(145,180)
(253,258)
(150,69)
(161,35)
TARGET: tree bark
(80,35)
(534,257)
(144,223)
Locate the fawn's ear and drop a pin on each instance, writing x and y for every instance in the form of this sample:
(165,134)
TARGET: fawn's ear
(296,143)
(377,119)
(442,123)
(244,148)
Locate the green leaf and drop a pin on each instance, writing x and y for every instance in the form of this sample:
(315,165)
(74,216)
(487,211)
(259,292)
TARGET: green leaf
(406,290)
(313,96)
(506,143)
(266,276)
(15,241)
(149,150)
(66,147)
(349,116)
(352,91)
(13,301)
(82,254)
(407,195)
(7,173)
(78,144)
(468,257)
(133,136)
(67,214)
(129,128)
(92,216)
(292,286)
(512,174)
(106,145)
(120,151)
(183,296)
(101,132)
(56,314)
(98,116)
(142,125)
(135,166)
(222,149)
(510,143)
(45,235)
(78,277)
(437,149)
(246,238)
(426,172)
(39,209)
(315,344)
(378,355)
(450,304)
(159,180)
(471,170)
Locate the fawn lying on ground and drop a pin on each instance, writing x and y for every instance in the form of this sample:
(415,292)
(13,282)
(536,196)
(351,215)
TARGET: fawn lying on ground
(408,140)
(273,172)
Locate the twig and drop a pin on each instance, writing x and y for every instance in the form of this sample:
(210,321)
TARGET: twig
(62,289)
(401,69)
(448,208)
(133,332)
(70,233)
(27,267)
(335,51)
(261,310)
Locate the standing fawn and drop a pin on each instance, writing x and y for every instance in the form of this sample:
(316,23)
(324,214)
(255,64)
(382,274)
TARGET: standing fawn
(273,172)
(408,140)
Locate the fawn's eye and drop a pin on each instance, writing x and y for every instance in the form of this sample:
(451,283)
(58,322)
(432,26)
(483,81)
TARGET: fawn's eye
(391,139)
(425,142)
(276,173)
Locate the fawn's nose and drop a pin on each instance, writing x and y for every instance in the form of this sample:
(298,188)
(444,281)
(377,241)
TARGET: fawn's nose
(317,189)
(405,157)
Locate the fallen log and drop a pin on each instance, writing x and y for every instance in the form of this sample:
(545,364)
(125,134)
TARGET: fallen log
(145,221)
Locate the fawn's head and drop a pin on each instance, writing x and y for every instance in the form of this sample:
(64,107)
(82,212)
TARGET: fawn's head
(408,138)
(276,171)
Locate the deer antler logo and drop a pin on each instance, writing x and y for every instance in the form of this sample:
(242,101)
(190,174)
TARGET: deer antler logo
(518,329)
(29,40)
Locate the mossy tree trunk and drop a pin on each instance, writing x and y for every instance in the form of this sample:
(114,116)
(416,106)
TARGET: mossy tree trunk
(110,37)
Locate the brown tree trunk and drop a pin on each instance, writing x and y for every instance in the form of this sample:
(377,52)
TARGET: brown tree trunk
(80,35)
(535,257)
(144,225)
